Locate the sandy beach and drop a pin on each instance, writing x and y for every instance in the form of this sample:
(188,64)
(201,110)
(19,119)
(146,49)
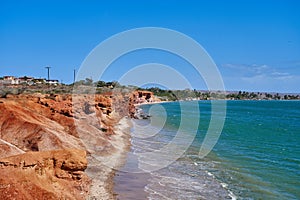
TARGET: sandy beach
(150,103)
(102,169)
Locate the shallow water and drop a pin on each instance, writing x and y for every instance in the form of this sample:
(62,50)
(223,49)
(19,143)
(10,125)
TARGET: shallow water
(256,157)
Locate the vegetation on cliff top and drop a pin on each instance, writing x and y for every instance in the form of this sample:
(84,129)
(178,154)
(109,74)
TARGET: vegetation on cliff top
(100,87)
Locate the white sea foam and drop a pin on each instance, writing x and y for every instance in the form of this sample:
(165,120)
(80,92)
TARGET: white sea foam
(224,185)
(233,197)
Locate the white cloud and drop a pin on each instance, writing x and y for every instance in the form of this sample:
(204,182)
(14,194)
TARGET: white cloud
(255,72)
(254,79)
(248,70)
(288,77)
(280,73)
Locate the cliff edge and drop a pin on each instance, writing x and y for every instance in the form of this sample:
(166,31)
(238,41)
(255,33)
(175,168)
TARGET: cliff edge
(43,153)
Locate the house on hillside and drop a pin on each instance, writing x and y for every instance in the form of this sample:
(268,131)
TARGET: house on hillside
(52,82)
(8,77)
(39,80)
(8,80)
(26,80)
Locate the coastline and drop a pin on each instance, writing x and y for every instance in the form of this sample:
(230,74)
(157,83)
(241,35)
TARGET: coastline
(137,186)
(139,181)
(150,103)
(102,171)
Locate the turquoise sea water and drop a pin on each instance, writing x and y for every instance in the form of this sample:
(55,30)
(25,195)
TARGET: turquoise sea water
(256,157)
(259,149)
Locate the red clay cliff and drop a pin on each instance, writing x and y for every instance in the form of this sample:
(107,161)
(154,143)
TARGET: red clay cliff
(47,140)
(42,155)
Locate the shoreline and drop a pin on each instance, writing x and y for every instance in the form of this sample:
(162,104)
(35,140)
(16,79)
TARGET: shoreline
(134,185)
(151,103)
(102,170)
(161,102)
(128,183)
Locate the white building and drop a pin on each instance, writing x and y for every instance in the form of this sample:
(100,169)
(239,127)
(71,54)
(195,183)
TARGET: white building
(25,79)
(8,80)
(52,82)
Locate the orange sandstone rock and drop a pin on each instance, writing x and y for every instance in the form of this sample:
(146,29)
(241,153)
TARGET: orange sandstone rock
(44,175)
(43,153)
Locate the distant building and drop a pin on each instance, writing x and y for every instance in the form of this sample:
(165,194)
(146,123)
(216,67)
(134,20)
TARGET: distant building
(26,80)
(10,80)
(52,82)
(39,80)
(6,78)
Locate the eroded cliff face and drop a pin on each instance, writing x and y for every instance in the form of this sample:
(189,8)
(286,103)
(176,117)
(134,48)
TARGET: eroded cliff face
(57,174)
(141,96)
(45,140)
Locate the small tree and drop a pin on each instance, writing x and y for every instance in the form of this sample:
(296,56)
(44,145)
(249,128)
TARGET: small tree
(88,81)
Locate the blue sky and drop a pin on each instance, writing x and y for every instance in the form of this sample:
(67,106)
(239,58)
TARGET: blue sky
(255,44)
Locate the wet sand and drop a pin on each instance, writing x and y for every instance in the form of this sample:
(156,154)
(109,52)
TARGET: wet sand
(101,170)
(130,185)
(129,181)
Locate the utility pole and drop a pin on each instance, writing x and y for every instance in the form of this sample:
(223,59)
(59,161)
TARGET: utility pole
(74,76)
(48,72)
